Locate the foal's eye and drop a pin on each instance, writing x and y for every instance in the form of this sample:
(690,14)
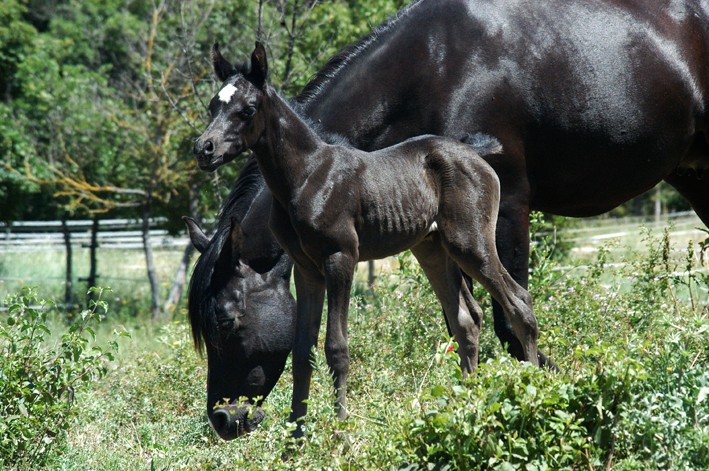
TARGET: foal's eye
(247,113)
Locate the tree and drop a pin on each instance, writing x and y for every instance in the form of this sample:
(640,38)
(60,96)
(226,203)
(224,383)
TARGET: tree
(103,99)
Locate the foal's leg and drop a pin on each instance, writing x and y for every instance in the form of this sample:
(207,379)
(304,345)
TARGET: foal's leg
(478,258)
(339,271)
(512,235)
(310,290)
(463,314)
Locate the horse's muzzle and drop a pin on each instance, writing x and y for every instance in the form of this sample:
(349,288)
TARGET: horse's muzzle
(232,421)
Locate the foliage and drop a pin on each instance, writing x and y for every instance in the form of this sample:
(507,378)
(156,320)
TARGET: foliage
(512,417)
(99,103)
(101,100)
(40,374)
(632,391)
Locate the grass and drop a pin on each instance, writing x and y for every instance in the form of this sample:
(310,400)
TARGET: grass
(630,340)
(124,271)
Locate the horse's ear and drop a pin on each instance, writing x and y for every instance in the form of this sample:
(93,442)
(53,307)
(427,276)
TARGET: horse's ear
(236,237)
(259,66)
(197,236)
(222,67)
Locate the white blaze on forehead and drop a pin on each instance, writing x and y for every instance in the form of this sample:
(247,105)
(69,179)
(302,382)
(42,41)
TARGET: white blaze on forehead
(227,92)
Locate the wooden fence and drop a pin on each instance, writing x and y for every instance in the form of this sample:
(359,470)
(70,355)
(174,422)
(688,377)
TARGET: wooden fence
(113,234)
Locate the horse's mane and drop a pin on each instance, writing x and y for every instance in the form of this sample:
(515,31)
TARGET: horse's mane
(245,189)
(201,302)
(340,60)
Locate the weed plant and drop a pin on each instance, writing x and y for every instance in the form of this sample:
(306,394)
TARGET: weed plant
(40,373)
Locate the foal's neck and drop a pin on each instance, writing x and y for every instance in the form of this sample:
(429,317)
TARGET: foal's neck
(287,150)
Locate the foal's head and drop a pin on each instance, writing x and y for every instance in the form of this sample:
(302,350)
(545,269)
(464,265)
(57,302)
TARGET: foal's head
(235,124)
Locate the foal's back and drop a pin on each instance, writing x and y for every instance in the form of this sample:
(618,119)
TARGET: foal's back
(405,189)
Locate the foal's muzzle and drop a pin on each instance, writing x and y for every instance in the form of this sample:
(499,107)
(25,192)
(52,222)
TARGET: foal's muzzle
(205,148)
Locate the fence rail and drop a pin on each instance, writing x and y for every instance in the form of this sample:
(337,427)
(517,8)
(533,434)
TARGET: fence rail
(112,234)
(125,233)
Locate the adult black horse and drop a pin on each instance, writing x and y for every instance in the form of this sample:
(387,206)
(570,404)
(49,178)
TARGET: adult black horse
(594,102)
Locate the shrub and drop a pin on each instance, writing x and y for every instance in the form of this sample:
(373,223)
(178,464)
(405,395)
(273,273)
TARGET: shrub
(39,375)
(633,392)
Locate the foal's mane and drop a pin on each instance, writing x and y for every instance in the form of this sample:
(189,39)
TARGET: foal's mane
(340,60)
(201,301)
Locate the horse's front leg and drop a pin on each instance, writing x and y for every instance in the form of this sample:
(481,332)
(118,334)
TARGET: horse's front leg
(310,290)
(339,271)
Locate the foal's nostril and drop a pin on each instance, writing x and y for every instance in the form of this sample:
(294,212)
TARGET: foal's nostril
(203,147)
(208,148)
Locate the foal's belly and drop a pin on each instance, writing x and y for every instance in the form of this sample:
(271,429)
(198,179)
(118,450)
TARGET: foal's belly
(398,206)
(375,245)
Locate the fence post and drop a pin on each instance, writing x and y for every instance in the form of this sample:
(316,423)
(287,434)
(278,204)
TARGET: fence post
(92,258)
(155,310)
(68,283)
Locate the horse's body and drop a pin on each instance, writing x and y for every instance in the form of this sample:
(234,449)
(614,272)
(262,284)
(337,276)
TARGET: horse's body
(335,205)
(594,102)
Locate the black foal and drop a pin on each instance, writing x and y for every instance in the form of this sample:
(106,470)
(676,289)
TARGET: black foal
(334,206)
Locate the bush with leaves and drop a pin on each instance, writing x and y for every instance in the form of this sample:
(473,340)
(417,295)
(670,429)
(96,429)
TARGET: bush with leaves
(39,375)
(633,392)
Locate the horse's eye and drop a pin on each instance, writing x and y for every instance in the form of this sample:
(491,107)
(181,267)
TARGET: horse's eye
(247,113)
(226,323)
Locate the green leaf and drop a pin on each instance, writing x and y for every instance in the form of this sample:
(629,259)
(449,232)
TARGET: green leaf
(438,391)
(703,393)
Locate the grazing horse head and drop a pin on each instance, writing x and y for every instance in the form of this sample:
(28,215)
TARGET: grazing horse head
(241,309)
(233,125)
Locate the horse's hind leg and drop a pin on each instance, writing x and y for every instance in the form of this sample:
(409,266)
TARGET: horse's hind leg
(477,255)
(692,181)
(463,314)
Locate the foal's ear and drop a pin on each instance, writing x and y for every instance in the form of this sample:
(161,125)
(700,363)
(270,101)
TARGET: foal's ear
(222,67)
(259,66)
(197,236)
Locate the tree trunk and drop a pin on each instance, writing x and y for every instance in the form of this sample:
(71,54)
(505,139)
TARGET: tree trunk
(259,27)
(155,311)
(292,34)
(68,298)
(181,274)
(180,279)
